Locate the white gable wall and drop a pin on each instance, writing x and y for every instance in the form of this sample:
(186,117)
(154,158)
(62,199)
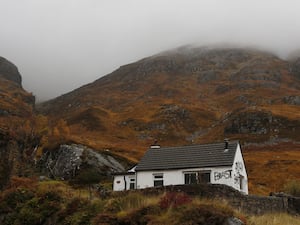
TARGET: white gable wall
(240,178)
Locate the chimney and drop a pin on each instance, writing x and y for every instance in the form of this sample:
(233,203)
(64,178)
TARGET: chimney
(155,145)
(226,140)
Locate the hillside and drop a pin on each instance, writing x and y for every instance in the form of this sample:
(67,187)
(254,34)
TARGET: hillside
(16,118)
(192,95)
(14,100)
(187,95)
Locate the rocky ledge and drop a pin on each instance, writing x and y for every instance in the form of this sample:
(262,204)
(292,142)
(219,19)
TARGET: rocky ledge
(68,160)
(9,71)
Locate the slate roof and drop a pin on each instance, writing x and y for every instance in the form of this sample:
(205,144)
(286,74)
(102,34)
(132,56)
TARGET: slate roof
(194,156)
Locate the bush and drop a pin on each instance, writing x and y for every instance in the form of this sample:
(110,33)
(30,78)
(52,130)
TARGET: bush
(79,212)
(202,215)
(12,199)
(293,188)
(106,219)
(141,216)
(174,199)
(127,202)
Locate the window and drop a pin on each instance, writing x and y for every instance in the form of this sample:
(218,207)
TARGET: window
(197,177)
(190,178)
(204,177)
(132,183)
(241,182)
(158,180)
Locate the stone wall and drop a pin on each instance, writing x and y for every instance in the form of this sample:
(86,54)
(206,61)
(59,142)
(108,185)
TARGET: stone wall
(249,204)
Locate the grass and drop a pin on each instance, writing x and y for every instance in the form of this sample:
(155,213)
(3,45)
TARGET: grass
(60,203)
(274,219)
(270,167)
(292,187)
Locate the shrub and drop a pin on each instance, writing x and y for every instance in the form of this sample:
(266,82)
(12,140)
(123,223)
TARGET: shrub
(292,188)
(113,205)
(141,216)
(37,210)
(127,202)
(174,199)
(79,212)
(202,215)
(106,219)
(11,199)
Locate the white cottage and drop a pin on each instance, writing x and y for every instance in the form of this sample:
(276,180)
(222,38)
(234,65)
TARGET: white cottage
(217,163)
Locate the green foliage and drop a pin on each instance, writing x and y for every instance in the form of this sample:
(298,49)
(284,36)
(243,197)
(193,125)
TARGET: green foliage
(39,209)
(293,188)
(79,211)
(12,199)
(49,204)
(202,214)
(125,203)
(25,207)
(174,199)
(141,215)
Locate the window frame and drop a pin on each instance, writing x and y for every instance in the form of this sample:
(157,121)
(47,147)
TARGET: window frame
(131,183)
(199,177)
(158,180)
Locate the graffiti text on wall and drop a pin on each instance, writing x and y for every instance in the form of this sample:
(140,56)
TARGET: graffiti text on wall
(225,174)
(238,170)
(239,167)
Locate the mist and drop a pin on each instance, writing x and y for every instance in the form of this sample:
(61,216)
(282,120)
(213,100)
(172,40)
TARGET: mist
(60,45)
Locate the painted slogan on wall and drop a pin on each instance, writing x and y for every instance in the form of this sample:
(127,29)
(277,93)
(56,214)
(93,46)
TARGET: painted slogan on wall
(225,174)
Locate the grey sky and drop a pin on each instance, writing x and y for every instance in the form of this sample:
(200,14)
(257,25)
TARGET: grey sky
(59,45)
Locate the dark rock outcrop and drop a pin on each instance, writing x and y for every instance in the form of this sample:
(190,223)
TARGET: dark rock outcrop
(9,71)
(249,123)
(295,67)
(262,125)
(65,162)
(292,100)
(5,164)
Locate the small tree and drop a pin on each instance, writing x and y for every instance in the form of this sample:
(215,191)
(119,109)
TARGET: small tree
(292,187)
(88,177)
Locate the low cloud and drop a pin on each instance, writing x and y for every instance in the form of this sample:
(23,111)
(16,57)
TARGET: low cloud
(61,45)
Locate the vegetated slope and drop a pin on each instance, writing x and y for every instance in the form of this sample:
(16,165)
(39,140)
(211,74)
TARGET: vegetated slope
(16,113)
(183,96)
(187,95)
(14,100)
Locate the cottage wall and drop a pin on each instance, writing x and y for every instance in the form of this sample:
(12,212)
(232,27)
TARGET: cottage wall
(218,175)
(119,183)
(122,182)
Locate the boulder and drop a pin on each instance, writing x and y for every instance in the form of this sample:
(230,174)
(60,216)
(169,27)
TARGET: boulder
(65,162)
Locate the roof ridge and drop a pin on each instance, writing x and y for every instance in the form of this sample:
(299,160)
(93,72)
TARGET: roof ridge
(195,145)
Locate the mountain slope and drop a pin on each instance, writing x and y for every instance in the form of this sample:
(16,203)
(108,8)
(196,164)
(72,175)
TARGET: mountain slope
(16,110)
(183,96)
(194,95)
